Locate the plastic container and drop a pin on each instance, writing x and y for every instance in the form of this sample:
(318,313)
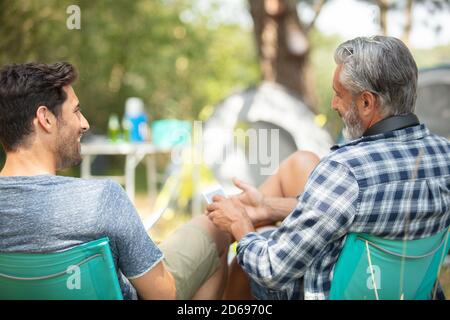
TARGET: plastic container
(168,133)
(135,120)
(113,128)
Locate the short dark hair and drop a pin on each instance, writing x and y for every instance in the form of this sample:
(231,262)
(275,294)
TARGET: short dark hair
(25,87)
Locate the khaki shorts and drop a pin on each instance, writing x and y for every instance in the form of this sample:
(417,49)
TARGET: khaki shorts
(191,256)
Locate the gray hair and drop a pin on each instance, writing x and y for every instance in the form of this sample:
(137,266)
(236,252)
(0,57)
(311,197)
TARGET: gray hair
(383,66)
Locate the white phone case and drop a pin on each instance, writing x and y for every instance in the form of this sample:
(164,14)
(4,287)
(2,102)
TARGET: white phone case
(209,193)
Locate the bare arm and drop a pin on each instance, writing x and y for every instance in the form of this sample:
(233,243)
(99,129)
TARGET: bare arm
(289,180)
(155,284)
(276,198)
(280,190)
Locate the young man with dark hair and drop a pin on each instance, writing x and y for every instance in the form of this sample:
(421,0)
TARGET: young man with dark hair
(41,125)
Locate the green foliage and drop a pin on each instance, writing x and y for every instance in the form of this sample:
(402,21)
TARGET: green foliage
(132,48)
(175,57)
(323,66)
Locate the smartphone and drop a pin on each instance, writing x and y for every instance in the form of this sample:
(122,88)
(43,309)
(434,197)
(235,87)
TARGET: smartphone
(210,192)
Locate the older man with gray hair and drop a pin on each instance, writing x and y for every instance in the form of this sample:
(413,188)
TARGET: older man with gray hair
(391,179)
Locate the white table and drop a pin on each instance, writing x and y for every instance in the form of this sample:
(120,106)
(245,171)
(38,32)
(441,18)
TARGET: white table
(134,153)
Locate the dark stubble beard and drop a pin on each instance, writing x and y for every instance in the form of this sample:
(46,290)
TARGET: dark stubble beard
(67,149)
(353,127)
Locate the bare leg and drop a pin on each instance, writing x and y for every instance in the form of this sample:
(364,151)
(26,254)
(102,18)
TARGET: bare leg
(238,285)
(288,181)
(213,288)
(290,178)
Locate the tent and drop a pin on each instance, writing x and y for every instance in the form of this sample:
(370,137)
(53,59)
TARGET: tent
(433,99)
(281,123)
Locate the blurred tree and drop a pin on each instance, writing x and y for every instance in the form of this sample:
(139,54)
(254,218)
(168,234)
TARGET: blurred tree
(408,21)
(161,51)
(283,44)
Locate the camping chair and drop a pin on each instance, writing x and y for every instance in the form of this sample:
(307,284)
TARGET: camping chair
(371,268)
(83,272)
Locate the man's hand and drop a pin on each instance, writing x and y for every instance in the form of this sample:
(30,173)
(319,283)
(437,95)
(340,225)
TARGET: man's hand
(253,201)
(229,215)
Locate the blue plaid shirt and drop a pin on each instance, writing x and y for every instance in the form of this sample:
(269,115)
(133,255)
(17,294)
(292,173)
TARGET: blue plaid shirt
(368,185)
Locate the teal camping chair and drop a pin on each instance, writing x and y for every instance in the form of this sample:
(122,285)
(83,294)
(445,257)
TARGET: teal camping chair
(400,269)
(83,272)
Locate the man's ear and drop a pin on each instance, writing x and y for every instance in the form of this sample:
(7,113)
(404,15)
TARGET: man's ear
(368,103)
(45,119)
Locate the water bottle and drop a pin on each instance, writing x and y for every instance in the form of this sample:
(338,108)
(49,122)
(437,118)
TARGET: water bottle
(113,128)
(137,119)
(126,126)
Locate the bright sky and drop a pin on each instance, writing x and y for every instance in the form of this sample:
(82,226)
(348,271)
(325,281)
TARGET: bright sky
(352,18)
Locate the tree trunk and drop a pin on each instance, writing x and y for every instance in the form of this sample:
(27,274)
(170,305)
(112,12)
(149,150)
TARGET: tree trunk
(383,5)
(283,46)
(408,21)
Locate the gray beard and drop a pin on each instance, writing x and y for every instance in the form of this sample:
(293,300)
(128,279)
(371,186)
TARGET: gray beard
(353,127)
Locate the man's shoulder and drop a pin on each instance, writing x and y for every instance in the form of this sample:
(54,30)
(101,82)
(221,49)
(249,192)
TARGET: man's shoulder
(388,149)
(358,158)
(104,196)
(82,183)
(373,157)
(362,152)
(346,154)
(437,140)
(61,183)
(90,185)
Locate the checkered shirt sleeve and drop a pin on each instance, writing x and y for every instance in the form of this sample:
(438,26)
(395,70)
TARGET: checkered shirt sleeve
(324,214)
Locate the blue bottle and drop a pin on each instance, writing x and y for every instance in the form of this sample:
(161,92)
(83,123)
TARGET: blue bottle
(137,120)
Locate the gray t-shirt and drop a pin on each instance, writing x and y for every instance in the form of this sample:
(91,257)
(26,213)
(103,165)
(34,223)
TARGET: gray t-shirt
(49,213)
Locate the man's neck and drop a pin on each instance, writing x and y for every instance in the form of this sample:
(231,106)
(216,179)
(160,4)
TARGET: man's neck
(27,163)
